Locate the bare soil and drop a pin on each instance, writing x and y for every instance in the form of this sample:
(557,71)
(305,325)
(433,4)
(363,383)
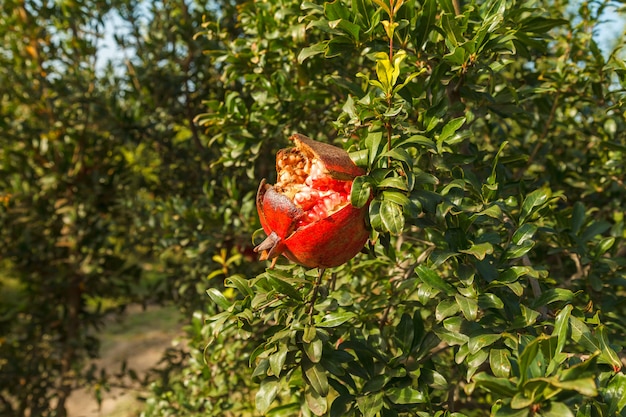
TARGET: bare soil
(142,344)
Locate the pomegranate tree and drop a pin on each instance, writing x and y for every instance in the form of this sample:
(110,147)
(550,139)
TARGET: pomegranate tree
(307,214)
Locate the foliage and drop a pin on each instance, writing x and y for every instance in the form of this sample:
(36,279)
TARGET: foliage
(492,135)
(495,273)
(89,153)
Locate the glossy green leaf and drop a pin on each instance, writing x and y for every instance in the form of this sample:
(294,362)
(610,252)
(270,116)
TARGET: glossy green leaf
(318,404)
(405,395)
(283,287)
(479,342)
(450,129)
(277,360)
(557,409)
(468,306)
(335,319)
(445,309)
(515,251)
(266,394)
(479,250)
(430,277)
(374,143)
(218,298)
(370,404)
(313,350)
(615,394)
(316,377)
(553,295)
(582,334)
(500,386)
(309,51)
(361,191)
(405,332)
(608,353)
(532,202)
(391,216)
(499,362)
(524,233)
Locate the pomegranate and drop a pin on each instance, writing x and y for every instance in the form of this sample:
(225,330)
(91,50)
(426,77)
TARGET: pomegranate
(307,214)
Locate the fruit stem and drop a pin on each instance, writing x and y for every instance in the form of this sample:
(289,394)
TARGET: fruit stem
(316,286)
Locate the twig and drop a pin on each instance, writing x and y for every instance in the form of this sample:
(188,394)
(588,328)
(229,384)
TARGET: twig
(316,287)
(534,285)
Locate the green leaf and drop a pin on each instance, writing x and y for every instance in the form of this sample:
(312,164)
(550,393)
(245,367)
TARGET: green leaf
(405,333)
(361,191)
(499,362)
(524,234)
(370,404)
(374,143)
(557,409)
(450,129)
(266,394)
(468,306)
(277,360)
(430,277)
(405,395)
(445,309)
(527,358)
(585,386)
(534,200)
(391,217)
(452,338)
(479,342)
(335,319)
(283,287)
(553,295)
(507,411)
(286,410)
(316,377)
(540,24)
(560,332)
(421,141)
(309,51)
(479,250)
(318,404)
(615,394)
(594,229)
(501,386)
(561,325)
(341,406)
(608,354)
(218,298)
(490,300)
(242,284)
(397,183)
(313,349)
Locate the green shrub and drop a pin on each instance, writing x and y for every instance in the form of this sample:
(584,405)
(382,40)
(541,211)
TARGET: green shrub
(494,278)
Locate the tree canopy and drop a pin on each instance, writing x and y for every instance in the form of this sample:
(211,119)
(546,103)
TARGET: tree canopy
(491,134)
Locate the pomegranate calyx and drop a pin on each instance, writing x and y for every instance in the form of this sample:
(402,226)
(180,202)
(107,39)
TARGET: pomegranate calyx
(270,247)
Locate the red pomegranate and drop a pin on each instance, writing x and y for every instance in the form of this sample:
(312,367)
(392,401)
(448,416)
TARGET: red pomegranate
(307,214)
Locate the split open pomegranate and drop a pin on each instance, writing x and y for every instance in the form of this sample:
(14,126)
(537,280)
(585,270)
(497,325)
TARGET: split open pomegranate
(307,214)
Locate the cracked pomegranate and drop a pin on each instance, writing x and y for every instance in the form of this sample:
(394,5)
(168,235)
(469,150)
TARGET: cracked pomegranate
(307,214)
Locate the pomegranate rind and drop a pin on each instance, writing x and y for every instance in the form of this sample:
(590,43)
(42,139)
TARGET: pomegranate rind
(324,243)
(336,160)
(329,242)
(277,212)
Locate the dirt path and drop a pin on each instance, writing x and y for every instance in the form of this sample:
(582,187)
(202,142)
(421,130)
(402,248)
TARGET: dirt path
(142,345)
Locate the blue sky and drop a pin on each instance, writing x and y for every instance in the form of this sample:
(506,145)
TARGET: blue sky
(606,34)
